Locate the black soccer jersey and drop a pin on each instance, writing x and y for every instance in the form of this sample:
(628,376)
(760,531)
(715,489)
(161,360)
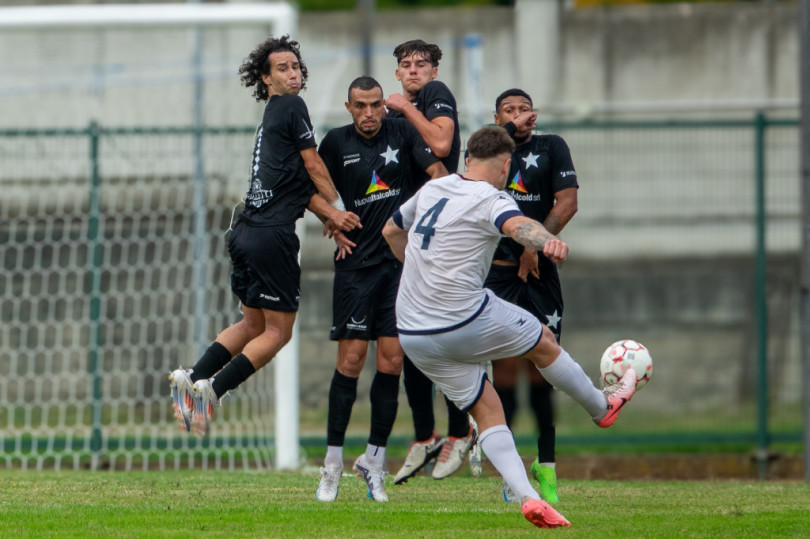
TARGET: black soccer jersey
(280,187)
(374,177)
(434,100)
(540,167)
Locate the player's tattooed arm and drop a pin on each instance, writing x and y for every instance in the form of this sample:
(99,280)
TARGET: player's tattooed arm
(532,234)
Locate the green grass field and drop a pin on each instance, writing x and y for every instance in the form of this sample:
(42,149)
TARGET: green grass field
(276,504)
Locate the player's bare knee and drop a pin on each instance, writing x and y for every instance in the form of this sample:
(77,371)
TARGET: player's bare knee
(389,364)
(350,364)
(545,351)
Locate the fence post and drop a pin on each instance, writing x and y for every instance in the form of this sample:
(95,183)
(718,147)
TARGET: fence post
(761,300)
(94,254)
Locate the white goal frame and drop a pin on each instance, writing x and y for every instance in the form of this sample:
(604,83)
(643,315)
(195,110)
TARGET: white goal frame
(283,18)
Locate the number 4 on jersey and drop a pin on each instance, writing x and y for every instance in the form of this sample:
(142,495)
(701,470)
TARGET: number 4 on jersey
(427,230)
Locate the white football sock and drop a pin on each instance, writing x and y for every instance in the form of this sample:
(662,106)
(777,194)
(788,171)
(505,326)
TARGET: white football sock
(567,375)
(375,455)
(334,456)
(499,446)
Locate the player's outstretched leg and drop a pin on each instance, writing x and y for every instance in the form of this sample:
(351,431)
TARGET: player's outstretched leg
(542,515)
(181,387)
(617,396)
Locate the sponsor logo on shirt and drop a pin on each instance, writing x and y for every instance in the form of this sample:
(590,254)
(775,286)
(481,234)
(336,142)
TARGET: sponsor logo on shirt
(566,173)
(350,159)
(517,183)
(440,106)
(308,134)
(524,197)
(256,196)
(380,195)
(376,184)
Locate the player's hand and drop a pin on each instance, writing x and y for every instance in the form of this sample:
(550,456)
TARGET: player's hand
(345,221)
(344,245)
(528,264)
(525,121)
(396,102)
(556,250)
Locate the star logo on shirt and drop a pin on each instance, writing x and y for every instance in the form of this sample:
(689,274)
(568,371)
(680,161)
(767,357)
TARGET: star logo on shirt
(554,320)
(530,160)
(390,155)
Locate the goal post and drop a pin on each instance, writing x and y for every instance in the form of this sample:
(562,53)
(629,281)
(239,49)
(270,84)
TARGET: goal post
(281,15)
(132,214)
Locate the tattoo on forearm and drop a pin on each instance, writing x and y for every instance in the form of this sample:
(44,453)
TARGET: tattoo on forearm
(532,234)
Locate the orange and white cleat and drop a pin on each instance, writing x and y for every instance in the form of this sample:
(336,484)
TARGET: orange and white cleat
(180,384)
(617,396)
(542,515)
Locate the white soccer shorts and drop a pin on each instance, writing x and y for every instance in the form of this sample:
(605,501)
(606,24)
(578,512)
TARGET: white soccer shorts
(456,360)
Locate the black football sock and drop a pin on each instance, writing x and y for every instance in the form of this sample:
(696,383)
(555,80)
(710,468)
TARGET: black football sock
(458,426)
(419,390)
(384,402)
(509,402)
(542,403)
(234,373)
(342,394)
(216,357)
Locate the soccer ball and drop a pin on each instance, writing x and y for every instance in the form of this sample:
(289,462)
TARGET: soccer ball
(623,355)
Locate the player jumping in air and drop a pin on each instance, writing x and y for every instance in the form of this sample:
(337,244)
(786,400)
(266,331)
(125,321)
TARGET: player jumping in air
(263,245)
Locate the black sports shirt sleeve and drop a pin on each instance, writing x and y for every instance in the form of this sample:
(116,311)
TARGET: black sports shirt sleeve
(563,173)
(438,101)
(420,151)
(299,124)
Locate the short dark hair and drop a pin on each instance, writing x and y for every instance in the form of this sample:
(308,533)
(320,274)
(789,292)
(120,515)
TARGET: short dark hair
(490,141)
(429,51)
(258,63)
(509,93)
(363,83)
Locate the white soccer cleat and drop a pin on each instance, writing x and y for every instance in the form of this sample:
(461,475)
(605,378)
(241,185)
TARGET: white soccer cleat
(374,476)
(204,401)
(419,454)
(509,494)
(181,387)
(453,452)
(617,396)
(330,483)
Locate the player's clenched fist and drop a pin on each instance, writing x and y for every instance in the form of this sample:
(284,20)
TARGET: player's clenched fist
(556,250)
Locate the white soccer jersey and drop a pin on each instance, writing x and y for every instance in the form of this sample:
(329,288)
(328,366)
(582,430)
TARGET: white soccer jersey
(454,226)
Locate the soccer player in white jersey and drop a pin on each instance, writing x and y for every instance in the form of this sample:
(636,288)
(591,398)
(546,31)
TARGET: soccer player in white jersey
(450,326)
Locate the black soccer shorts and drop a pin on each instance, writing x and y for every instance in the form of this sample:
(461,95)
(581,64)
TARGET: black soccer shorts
(364,302)
(266,273)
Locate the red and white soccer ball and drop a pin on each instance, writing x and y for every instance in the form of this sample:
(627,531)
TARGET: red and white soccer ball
(623,355)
